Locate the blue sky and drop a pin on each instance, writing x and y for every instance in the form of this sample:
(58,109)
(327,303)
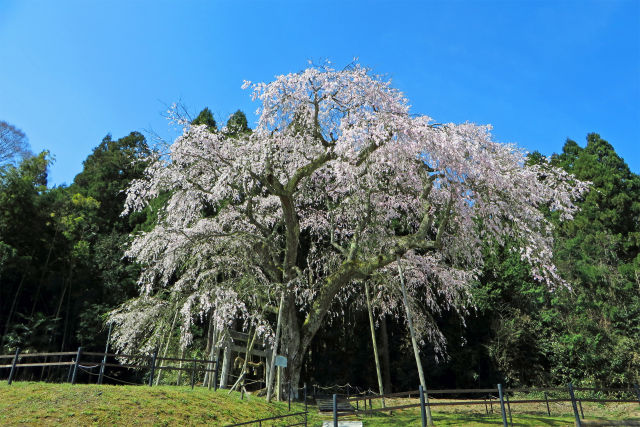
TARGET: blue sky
(538,71)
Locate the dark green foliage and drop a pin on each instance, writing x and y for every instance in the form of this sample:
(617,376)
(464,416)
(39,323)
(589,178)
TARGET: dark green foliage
(206,118)
(61,248)
(598,253)
(237,124)
(590,332)
(108,171)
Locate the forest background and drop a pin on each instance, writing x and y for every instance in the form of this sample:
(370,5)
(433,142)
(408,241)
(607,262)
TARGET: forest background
(62,270)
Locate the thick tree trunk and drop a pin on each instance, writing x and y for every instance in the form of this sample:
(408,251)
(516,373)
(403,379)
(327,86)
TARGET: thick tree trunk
(292,345)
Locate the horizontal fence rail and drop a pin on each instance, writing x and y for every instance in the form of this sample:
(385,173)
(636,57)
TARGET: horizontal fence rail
(490,397)
(82,361)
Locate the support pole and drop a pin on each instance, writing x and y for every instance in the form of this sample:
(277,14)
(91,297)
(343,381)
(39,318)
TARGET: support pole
(274,352)
(423,409)
(154,356)
(509,409)
(106,350)
(581,411)
(335,411)
(13,366)
(75,366)
(414,342)
(546,399)
(575,406)
(193,374)
(504,413)
(305,397)
(374,343)
(215,373)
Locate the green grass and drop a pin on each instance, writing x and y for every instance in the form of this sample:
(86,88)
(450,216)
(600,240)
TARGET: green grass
(31,403)
(522,414)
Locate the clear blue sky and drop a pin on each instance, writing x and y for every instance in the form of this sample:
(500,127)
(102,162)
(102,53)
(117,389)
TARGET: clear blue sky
(538,71)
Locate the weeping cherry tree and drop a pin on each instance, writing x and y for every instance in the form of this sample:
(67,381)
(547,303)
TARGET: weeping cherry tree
(337,183)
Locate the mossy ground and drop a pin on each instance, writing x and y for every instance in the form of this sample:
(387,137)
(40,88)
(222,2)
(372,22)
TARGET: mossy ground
(32,403)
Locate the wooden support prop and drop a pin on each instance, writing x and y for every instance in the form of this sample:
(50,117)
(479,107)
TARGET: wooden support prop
(504,413)
(575,406)
(104,358)
(423,410)
(152,366)
(75,366)
(193,374)
(215,373)
(546,399)
(509,408)
(581,411)
(305,399)
(13,366)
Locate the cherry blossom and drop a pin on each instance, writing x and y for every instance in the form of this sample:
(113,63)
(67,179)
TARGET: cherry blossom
(338,181)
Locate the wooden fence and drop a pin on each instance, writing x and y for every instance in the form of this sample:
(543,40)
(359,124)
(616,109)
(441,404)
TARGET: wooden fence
(85,361)
(81,360)
(488,395)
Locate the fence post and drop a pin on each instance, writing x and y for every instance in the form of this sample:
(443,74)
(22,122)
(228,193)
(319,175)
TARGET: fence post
(486,408)
(491,403)
(546,399)
(637,391)
(153,366)
(15,361)
(75,366)
(423,410)
(575,407)
(193,373)
(504,413)
(335,411)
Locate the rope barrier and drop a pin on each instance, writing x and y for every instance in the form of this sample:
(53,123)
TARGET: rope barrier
(88,367)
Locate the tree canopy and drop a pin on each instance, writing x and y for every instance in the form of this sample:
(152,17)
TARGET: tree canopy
(337,184)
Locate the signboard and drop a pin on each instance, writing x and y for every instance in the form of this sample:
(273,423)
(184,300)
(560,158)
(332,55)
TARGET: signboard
(281,361)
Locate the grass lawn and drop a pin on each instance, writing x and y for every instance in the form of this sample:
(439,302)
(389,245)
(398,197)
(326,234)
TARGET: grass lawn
(32,403)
